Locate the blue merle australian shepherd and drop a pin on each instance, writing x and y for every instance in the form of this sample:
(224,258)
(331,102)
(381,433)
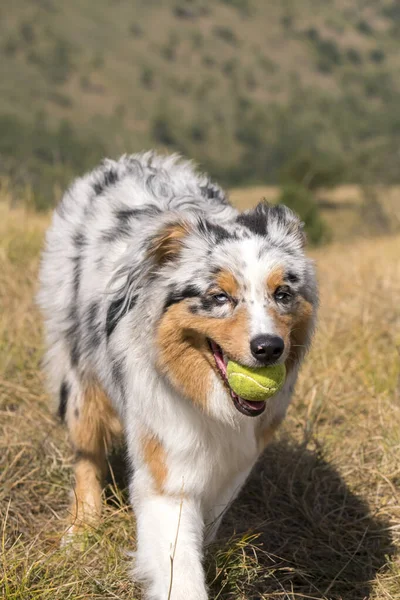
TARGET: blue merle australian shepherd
(150,281)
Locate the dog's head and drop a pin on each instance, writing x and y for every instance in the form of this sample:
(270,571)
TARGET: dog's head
(243,291)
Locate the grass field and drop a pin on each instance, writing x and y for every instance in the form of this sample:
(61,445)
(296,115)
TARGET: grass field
(320,516)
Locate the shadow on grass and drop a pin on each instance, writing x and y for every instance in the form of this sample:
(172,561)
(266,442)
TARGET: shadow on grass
(316,539)
(296,531)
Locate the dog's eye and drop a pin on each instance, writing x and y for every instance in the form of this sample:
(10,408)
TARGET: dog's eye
(283,295)
(220,298)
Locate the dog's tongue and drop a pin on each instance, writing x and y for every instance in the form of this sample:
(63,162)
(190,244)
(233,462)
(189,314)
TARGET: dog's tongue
(219,358)
(249,403)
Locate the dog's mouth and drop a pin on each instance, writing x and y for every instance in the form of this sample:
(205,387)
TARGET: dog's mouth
(246,407)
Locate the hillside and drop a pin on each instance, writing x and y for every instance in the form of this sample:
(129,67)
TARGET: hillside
(243,86)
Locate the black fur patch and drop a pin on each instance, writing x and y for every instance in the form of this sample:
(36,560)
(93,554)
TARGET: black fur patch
(64,395)
(211,192)
(128,213)
(217,232)
(120,230)
(79,240)
(292,277)
(109,177)
(75,353)
(117,372)
(208,303)
(93,325)
(124,217)
(278,212)
(177,295)
(256,220)
(98,188)
(72,334)
(76,275)
(73,330)
(115,314)
(118,375)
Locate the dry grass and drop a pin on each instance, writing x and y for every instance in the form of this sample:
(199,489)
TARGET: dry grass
(320,517)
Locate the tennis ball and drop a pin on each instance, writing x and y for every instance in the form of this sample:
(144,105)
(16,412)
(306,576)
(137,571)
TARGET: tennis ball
(255,384)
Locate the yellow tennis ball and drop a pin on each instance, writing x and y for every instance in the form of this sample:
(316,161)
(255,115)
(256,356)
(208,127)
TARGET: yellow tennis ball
(255,384)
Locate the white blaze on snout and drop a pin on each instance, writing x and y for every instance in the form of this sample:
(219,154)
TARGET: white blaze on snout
(255,276)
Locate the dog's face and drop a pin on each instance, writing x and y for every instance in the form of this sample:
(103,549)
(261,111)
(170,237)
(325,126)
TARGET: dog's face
(244,291)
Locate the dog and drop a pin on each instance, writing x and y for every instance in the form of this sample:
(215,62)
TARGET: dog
(150,281)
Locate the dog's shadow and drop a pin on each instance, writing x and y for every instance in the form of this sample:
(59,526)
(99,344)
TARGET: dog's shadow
(316,538)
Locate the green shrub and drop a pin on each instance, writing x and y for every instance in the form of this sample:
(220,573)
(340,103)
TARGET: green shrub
(10,46)
(267,64)
(313,171)
(191,10)
(353,56)
(364,27)
(183,87)
(328,52)
(226,34)
(60,99)
(312,34)
(44,158)
(302,202)
(59,64)
(244,6)
(373,216)
(163,130)
(147,77)
(250,80)
(209,61)
(230,67)
(27,32)
(287,22)
(379,85)
(392,11)
(170,49)
(377,55)
(198,132)
(135,30)
(197,40)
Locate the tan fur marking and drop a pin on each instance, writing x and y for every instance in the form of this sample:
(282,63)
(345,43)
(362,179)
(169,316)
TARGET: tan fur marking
(92,434)
(184,352)
(275,279)
(86,502)
(300,331)
(227,282)
(294,329)
(168,243)
(154,456)
(283,323)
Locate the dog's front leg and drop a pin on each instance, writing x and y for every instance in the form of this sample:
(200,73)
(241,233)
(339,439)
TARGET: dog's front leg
(169,547)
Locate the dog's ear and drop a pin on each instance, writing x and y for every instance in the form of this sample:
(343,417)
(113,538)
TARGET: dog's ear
(168,242)
(276,222)
(131,275)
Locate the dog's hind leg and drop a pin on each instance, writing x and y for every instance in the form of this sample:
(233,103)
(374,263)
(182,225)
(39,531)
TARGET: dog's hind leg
(93,426)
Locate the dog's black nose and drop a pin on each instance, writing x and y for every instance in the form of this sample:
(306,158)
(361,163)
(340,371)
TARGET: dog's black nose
(267,348)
